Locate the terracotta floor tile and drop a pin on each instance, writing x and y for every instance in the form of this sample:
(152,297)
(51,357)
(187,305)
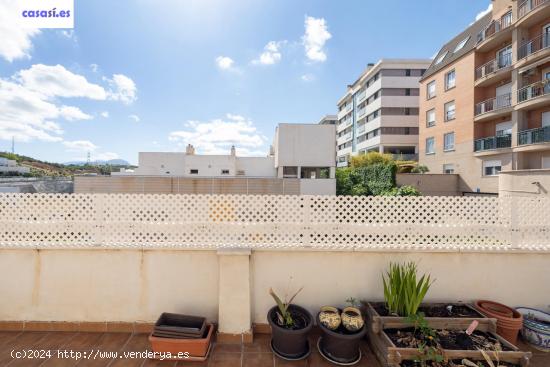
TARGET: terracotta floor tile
(127,362)
(138,343)
(281,362)
(26,340)
(228,348)
(258,360)
(225,360)
(59,362)
(83,341)
(56,340)
(155,363)
(112,341)
(261,344)
(8,336)
(192,364)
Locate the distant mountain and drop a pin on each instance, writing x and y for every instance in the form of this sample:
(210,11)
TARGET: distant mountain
(112,162)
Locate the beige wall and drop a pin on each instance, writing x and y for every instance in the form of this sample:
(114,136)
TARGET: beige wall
(431,184)
(525,183)
(305,145)
(135,285)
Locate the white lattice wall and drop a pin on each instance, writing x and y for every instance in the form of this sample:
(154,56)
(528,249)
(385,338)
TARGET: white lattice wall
(318,222)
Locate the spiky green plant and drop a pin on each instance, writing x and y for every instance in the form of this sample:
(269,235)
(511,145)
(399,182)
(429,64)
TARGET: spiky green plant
(402,292)
(283,315)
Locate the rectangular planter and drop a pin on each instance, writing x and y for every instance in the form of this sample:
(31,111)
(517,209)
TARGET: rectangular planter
(377,322)
(172,325)
(391,355)
(197,348)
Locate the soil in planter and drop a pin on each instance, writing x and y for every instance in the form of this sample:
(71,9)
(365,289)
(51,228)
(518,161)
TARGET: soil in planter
(453,363)
(300,320)
(448,339)
(439,310)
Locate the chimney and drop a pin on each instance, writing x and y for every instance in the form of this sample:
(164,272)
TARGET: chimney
(233,151)
(190,150)
(271,150)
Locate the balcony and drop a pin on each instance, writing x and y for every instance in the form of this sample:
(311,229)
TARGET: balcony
(345,111)
(531,12)
(495,33)
(493,143)
(361,96)
(361,129)
(534,95)
(534,136)
(344,138)
(534,49)
(361,112)
(493,107)
(493,71)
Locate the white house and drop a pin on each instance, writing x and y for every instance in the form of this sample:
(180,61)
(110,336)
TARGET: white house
(302,151)
(10,166)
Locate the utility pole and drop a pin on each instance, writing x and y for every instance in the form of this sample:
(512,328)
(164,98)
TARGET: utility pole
(13,145)
(88,159)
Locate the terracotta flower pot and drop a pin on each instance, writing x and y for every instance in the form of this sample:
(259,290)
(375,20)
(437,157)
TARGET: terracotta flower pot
(195,347)
(290,343)
(330,317)
(352,319)
(509,321)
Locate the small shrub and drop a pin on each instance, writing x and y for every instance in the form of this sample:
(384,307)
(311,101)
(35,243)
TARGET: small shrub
(370,158)
(404,190)
(420,169)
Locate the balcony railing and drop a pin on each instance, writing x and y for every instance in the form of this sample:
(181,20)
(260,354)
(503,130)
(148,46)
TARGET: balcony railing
(534,136)
(361,112)
(405,157)
(494,104)
(493,142)
(495,26)
(493,66)
(361,95)
(534,90)
(361,129)
(541,42)
(527,6)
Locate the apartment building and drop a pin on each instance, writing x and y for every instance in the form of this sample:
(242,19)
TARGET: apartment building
(379,111)
(485,100)
(328,120)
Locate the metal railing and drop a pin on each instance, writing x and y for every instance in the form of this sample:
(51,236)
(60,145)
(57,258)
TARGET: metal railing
(493,66)
(495,26)
(361,112)
(534,90)
(405,157)
(527,6)
(538,43)
(361,129)
(493,142)
(534,136)
(493,104)
(361,95)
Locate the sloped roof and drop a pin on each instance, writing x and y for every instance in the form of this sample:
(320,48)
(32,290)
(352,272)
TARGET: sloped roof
(471,32)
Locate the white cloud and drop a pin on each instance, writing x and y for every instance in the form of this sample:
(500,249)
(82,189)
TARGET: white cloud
(94,67)
(315,37)
(218,135)
(271,54)
(224,63)
(105,114)
(307,77)
(80,146)
(482,13)
(69,34)
(71,113)
(56,81)
(15,41)
(135,118)
(105,156)
(122,89)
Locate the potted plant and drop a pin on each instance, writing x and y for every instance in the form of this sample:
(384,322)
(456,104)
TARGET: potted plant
(290,325)
(339,342)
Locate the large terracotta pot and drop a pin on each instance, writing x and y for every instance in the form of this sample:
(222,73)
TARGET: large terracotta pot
(509,321)
(287,343)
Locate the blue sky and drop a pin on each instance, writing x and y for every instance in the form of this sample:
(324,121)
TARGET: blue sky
(144,75)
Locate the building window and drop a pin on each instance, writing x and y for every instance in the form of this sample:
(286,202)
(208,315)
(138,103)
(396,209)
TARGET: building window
(290,172)
(491,168)
(462,44)
(441,57)
(225,171)
(430,145)
(430,93)
(450,80)
(407,111)
(408,92)
(448,168)
(407,72)
(430,118)
(194,171)
(449,141)
(450,111)
(240,172)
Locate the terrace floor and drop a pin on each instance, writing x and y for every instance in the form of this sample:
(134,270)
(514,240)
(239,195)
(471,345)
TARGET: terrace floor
(257,354)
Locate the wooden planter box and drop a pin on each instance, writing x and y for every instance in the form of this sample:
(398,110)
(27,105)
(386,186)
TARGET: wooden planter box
(391,355)
(377,323)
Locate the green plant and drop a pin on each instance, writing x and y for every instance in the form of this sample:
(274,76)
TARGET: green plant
(404,190)
(428,348)
(402,292)
(353,302)
(370,158)
(420,169)
(284,317)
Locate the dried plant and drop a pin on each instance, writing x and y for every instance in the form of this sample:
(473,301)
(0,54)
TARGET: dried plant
(284,317)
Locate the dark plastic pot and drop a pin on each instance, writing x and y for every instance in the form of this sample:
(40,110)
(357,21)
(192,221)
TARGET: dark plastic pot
(341,347)
(290,344)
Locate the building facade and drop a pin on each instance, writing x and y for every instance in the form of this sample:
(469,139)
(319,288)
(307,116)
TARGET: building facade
(9,166)
(328,120)
(379,111)
(302,155)
(485,100)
